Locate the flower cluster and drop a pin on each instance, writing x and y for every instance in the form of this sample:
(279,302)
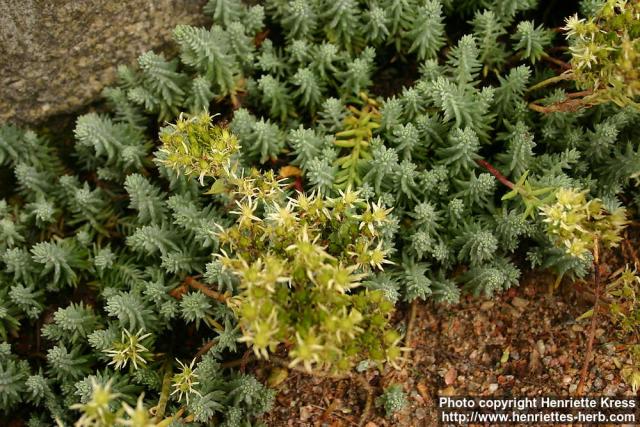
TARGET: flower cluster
(196,147)
(605,51)
(577,224)
(299,261)
(101,239)
(300,264)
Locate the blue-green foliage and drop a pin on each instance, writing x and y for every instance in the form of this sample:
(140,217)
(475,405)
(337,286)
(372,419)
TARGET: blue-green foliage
(103,239)
(393,400)
(121,244)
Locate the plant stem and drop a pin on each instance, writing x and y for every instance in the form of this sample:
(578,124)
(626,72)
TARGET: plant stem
(164,392)
(190,281)
(413,311)
(206,347)
(632,252)
(320,374)
(337,399)
(495,172)
(555,61)
(233,363)
(592,327)
(573,102)
(366,412)
(564,76)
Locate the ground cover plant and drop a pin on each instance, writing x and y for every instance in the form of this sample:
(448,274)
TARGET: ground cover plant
(298,172)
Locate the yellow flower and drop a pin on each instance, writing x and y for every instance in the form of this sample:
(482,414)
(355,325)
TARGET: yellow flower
(307,252)
(577,248)
(306,351)
(261,334)
(184,381)
(573,26)
(138,416)
(567,197)
(349,197)
(129,349)
(343,278)
(283,215)
(377,257)
(246,212)
(96,411)
(380,214)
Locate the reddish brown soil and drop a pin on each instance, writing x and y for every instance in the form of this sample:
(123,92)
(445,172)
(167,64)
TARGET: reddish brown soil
(462,350)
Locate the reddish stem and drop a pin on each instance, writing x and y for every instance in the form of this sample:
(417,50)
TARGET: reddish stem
(190,281)
(495,172)
(573,102)
(557,62)
(584,372)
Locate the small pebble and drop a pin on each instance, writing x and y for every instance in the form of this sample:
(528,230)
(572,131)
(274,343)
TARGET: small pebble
(450,376)
(449,391)
(305,413)
(541,347)
(493,387)
(520,303)
(486,305)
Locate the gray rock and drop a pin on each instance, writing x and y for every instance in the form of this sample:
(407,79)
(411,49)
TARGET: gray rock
(57,55)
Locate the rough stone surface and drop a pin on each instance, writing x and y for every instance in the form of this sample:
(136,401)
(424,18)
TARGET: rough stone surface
(57,55)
